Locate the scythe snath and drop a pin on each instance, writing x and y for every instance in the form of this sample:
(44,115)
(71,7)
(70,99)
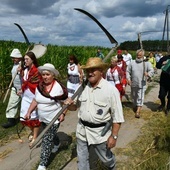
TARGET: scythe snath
(81,87)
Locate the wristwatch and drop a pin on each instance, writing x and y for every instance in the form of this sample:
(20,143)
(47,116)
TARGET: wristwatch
(114,136)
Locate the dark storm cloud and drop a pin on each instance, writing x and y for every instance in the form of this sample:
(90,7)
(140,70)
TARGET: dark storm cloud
(133,9)
(56,21)
(27,7)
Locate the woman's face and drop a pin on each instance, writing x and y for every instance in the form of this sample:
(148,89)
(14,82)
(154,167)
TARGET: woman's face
(47,77)
(113,63)
(28,61)
(71,61)
(150,55)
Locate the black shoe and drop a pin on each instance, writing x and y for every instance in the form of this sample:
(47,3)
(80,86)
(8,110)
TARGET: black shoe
(11,122)
(160,108)
(167,112)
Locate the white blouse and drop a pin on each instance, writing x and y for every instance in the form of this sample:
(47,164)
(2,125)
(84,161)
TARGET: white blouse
(48,108)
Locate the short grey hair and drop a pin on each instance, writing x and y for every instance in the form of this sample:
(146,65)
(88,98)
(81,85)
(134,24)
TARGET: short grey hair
(140,50)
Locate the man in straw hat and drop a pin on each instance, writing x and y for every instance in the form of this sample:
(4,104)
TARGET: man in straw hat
(14,99)
(100,116)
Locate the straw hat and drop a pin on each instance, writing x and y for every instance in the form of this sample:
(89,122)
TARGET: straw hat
(94,62)
(16,53)
(48,67)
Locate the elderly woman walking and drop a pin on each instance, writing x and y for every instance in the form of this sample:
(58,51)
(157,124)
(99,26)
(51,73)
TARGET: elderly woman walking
(48,96)
(137,72)
(115,76)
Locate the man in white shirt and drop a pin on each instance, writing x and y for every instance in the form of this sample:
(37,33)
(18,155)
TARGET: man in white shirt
(127,57)
(14,99)
(100,109)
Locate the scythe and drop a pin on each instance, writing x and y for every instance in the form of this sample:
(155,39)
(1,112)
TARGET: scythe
(38,49)
(28,43)
(23,33)
(81,87)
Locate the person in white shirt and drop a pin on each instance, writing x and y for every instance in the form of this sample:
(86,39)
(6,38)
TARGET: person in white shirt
(100,116)
(75,75)
(127,57)
(47,101)
(14,99)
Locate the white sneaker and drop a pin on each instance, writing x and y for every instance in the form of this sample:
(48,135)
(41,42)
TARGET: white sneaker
(55,148)
(40,167)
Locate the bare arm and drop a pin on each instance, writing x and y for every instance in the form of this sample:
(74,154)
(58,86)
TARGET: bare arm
(81,73)
(111,142)
(32,107)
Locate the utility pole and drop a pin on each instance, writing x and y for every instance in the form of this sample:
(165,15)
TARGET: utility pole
(140,39)
(166,28)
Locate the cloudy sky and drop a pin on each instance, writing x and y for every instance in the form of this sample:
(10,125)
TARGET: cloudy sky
(56,21)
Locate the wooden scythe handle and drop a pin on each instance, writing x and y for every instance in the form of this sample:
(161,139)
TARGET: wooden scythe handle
(9,87)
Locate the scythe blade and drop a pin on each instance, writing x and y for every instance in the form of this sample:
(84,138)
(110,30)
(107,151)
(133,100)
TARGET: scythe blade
(81,87)
(112,40)
(25,37)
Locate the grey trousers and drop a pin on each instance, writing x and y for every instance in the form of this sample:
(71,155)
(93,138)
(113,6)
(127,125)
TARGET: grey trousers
(104,154)
(138,95)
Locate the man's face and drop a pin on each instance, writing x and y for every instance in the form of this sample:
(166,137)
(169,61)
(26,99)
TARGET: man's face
(16,60)
(140,55)
(94,76)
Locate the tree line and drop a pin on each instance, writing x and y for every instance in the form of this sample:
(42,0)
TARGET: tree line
(148,45)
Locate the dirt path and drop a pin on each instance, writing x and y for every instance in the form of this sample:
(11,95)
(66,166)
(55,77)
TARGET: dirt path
(19,157)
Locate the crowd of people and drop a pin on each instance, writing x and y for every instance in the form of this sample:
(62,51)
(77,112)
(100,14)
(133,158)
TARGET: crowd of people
(100,112)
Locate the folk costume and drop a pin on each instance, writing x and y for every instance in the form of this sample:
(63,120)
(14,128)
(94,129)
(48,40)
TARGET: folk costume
(31,79)
(115,76)
(122,64)
(73,78)
(48,104)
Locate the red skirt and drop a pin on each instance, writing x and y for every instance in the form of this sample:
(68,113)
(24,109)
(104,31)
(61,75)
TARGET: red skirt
(31,123)
(124,82)
(120,89)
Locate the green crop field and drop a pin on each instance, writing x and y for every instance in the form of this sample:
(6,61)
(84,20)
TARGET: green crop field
(57,55)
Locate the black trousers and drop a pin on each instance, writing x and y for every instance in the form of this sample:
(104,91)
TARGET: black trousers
(163,92)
